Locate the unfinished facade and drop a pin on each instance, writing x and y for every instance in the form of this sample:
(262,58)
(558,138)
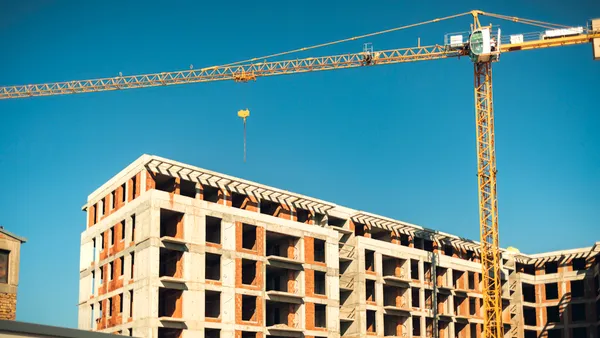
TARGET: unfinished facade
(10,253)
(172,250)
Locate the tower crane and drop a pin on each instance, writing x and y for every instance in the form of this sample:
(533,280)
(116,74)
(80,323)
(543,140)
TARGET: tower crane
(482,45)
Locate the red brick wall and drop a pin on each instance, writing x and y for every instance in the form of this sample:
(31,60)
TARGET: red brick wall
(224,197)
(8,306)
(310,318)
(91,215)
(291,282)
(117,317)
(309,284)
(309,250)
(250,203)
(177,308)
(291,249)
(150,182)
(119,194)
(258,280)
(398,268)
(260,240)
(238,334)
(283,211)
(257,319)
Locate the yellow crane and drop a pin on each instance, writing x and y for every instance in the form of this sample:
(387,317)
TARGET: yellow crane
(482,45)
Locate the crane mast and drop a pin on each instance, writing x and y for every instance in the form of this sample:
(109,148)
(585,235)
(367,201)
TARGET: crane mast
(488,201)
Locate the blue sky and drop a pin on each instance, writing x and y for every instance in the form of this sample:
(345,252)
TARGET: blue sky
(394,140)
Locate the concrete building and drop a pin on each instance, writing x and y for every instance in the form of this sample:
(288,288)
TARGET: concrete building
(10,255)
(173,250)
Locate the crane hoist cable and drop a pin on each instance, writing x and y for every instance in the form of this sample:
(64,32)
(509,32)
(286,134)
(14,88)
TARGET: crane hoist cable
(331,43)
(244,114)
(181,77)
(542,24)
(526,21)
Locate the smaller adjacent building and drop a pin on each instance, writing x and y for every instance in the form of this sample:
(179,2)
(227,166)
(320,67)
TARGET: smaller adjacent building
(10,247)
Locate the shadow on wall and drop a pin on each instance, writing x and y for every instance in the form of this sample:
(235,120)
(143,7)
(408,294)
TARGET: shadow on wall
(577,307)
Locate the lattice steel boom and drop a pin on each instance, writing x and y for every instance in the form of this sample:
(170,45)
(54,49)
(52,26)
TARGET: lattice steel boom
(240,73)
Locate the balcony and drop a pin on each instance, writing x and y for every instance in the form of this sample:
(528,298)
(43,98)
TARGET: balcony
(283,285)
(347,252)
(394,326)
(281,317)
(283,248)
(347,283)
(170,305)
(171,267)
(395,299)
(442,280)
(395,271)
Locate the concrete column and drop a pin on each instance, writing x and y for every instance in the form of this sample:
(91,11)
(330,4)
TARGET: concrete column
(128,231)
(228,234)
(379,322)
(194,228)
(199,333)
(331,253)
(86,256)
(127,270)
(333,322)
(227,332)
(378,263)
(193,305)
(96,280)
(84,317)
(194,267)
(99,245)
(145,302)
(148,223)
(126,314)
(332,281)
(228,276)
(145,332)
(142,183)
(147,263)
(85,288)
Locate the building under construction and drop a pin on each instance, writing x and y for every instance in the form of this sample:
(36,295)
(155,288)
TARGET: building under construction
(173,250)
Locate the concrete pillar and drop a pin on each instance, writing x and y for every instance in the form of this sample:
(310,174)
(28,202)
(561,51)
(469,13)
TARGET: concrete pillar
(193,305)
(378,263)
(145,175)
(379,322)
(194,228)
(379,295)
(85,288)
(126,314)
(148,223)
(145,300)
(145,332)
(84,317)
(228,234)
